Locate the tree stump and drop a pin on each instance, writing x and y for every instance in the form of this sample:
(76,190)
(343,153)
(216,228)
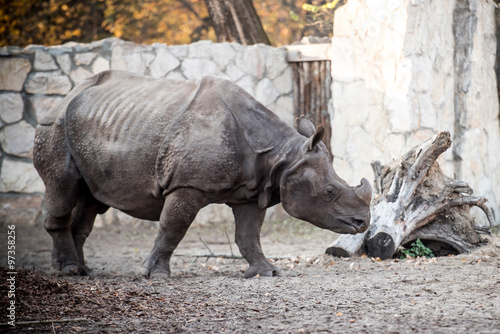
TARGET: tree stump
(415,200)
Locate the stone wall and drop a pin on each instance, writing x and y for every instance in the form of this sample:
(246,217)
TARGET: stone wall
(403,71)
(34,79)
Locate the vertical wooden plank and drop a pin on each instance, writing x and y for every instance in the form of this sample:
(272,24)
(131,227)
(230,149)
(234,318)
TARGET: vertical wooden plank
(326,84)
(296,90)
(311,94)
(317,93)
(307,89)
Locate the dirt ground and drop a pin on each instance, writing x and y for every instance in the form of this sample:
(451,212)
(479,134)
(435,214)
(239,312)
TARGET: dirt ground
(318,293)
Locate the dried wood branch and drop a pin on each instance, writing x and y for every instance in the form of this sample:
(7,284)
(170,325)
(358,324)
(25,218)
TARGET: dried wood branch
(230,256)
(48,321)
(413,193)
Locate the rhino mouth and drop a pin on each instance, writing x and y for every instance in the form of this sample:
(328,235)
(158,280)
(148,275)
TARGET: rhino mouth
(348,227)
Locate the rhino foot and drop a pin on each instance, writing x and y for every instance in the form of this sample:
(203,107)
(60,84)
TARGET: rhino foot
(72,269)
(265,270)
(157,274)
(68,269)
(86,271)
(155,269)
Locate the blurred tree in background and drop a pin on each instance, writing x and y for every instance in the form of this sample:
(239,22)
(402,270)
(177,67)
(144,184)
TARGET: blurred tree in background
(236,21)
(51,22)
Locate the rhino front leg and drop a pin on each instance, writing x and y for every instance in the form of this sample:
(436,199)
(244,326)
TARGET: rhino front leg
(249,219)
(179,211)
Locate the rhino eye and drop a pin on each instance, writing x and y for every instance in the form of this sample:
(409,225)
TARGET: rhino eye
(330,193)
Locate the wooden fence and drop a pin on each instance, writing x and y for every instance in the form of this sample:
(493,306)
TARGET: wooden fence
(312,85)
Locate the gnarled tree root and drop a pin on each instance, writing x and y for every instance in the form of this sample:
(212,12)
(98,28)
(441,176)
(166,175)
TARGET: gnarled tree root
(417,201)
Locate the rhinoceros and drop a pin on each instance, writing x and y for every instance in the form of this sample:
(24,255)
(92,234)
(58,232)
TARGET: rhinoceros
(160,149)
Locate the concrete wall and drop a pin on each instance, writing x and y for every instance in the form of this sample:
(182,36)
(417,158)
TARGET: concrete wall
(403,71)
(34,79)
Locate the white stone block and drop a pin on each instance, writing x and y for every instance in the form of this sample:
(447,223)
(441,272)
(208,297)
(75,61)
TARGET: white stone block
(343,168)
(234,73)
(131,57)
(265,92)
(175,75)
(284,109)
(163,63)
(359,145)
(43,105)
(284,83)
(247,83)
(117,61)
(21,177)
(84,58)
(48,83)
(337,96)
(378,121)
(178,51)
(399,113)
(276,62)
(100,64)
(64,62)
(355,103)
(79,74)
(18,139)
(252,61)
(342,56)
(422,74)
(339,134)
(223,54)
(394,146)
(197,68)
(428,116)
(200,49)
(44,61)
(13,73)
(11,107)
(134,63)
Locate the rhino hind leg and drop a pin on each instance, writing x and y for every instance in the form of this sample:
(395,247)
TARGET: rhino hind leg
(179,210)
(57,169)
(64,255)
(249,219)
(83,218)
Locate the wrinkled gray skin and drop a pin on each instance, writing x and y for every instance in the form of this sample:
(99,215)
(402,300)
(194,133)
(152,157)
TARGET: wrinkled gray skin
(158,149)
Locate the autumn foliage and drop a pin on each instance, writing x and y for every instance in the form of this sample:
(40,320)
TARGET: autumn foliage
(50,22)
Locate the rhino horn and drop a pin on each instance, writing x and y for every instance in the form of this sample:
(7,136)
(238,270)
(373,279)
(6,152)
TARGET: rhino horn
(364,191)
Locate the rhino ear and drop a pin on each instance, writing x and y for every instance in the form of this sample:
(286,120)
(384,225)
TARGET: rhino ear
(314,139)
(304,126)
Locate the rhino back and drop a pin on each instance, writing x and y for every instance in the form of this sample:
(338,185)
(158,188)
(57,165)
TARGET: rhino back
(114,129)
(135,139)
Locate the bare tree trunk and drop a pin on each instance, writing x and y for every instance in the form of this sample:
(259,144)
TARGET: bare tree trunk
(236,21)
(416,200)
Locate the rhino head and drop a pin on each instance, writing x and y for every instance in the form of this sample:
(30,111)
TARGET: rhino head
(311,190)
